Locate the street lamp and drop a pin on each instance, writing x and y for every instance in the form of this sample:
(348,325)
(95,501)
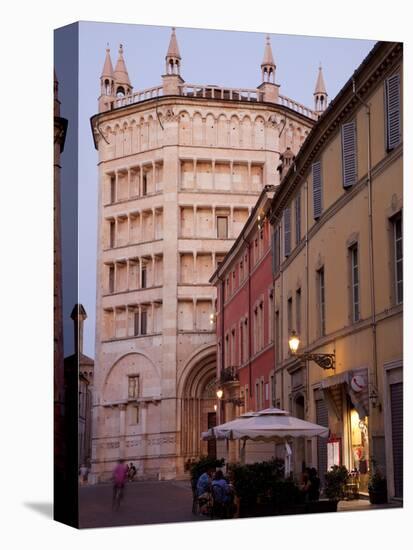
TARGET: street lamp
(220,393)
(323,360)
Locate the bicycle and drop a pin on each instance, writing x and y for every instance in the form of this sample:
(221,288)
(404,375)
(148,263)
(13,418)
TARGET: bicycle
(117,496)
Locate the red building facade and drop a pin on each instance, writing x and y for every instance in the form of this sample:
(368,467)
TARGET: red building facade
(244,319)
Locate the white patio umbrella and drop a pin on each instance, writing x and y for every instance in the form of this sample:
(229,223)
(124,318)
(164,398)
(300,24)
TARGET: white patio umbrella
(266,425)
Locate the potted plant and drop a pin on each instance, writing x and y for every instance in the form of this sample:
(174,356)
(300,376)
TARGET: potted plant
(335,483)
(377,485)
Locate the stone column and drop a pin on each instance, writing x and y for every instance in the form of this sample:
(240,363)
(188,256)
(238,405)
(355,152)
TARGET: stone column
(153,224)
(129,189)
(140,180)
(194,271)
(213,174)
(194,325)
(153,270)
(194,176)
(116,184)
(195,224)
(152,318)
(231,224)
(115,240)
(139,239)
(214,220)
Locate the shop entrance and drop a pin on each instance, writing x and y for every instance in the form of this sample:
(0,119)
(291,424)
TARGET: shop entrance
(359,448)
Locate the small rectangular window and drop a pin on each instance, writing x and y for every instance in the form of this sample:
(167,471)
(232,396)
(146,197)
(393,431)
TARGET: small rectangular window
(112,229)
(144,185)
(321,301)
(298,311)
(136,323)
(112,189)
(111,278)
(144,321)
(289,316)
(355,290)
(133,387)
(143,277)
(222,227)
(398,258)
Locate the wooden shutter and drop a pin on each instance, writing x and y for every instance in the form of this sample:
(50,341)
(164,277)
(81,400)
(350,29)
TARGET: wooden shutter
(396,403)
(393,111)
(287,231)
(317,190)
(276,250)
(298,219)
(348,145)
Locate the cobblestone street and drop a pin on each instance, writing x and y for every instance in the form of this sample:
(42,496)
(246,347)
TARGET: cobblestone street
(149,502)
(144,502)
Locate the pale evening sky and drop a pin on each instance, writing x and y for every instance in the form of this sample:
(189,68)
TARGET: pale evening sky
(229,58)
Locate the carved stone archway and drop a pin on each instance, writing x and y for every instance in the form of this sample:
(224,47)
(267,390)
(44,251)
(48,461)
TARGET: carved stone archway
(197,402)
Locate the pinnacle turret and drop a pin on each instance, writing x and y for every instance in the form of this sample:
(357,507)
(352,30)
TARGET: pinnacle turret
(107,71)
(173,57)
(123,85)
(268,64)
(320,92)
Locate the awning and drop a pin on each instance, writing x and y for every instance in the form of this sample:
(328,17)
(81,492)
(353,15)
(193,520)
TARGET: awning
(332,389)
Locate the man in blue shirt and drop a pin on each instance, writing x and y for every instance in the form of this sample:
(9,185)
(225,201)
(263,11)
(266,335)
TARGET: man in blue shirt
(204,482)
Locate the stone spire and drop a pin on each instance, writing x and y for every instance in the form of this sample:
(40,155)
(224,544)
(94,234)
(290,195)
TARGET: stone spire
(269,89)
(268,65)
(173,57)
(123,85)
(107,84)
(107,71)
(320,93)
(172,79)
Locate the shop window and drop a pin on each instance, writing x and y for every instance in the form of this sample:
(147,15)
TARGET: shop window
(359,449)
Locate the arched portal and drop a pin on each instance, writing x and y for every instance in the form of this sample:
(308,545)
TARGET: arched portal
(197,403)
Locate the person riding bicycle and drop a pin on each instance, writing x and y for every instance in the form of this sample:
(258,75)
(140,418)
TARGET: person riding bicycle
(119,477)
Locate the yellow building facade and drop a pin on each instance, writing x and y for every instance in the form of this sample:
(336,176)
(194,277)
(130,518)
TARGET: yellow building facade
(338,277)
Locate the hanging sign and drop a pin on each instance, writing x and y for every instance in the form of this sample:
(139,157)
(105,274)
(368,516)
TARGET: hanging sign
(358,383)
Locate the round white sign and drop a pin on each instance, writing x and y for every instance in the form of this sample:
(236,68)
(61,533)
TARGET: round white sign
(358,383)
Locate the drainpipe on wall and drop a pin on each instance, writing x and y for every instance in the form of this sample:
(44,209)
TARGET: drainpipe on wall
(307,298)
(374,382)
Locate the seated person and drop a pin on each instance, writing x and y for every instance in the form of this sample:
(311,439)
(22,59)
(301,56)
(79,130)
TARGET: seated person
(204,482)
(221,489)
